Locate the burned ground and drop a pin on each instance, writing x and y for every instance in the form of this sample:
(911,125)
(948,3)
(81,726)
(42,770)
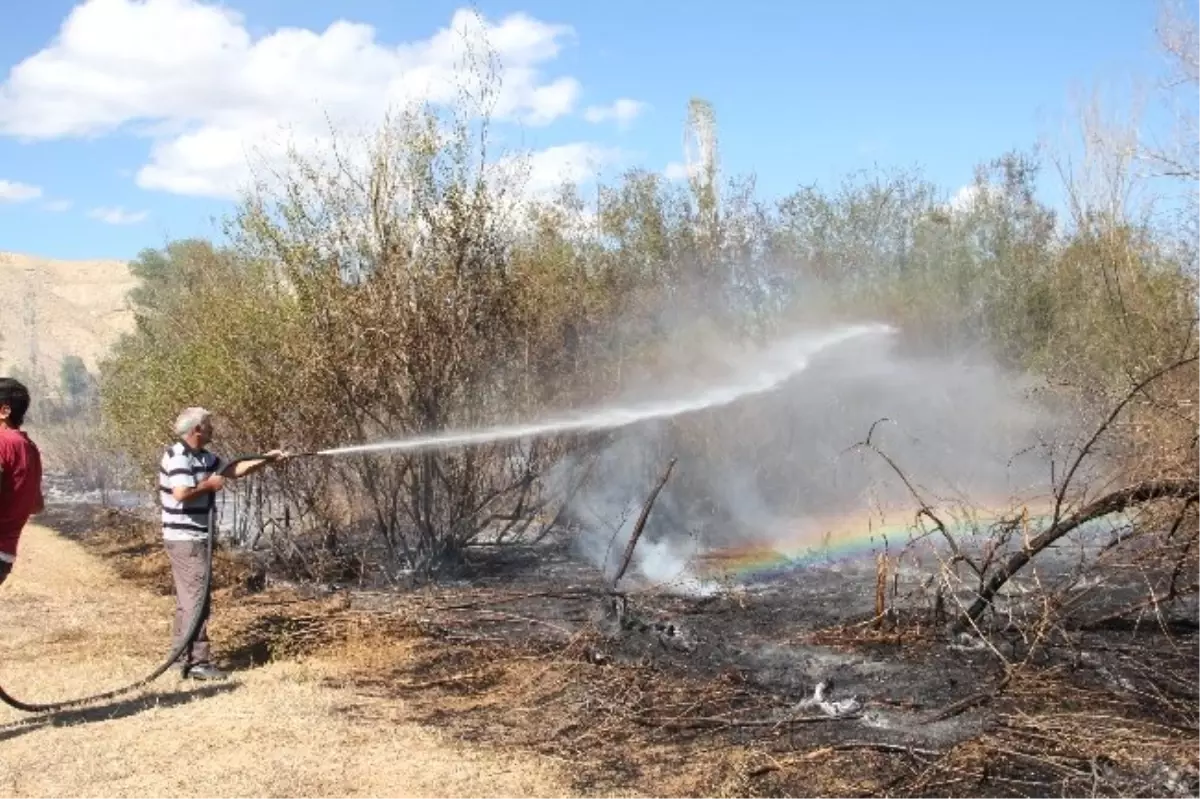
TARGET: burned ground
(652,693)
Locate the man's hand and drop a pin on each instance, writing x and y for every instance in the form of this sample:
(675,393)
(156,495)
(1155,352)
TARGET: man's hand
(211,484)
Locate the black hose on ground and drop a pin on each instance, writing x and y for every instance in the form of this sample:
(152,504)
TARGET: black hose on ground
(192,631)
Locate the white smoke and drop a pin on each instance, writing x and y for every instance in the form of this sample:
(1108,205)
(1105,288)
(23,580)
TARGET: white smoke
(774,460)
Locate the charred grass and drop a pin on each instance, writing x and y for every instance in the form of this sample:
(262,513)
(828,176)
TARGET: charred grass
(672,696)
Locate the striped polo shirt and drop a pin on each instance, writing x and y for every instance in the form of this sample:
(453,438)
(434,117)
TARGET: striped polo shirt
(183,466)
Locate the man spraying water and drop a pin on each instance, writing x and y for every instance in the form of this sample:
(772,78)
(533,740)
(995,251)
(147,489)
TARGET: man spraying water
(189,478)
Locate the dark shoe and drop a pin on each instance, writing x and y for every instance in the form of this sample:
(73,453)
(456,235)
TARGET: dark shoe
(204,671)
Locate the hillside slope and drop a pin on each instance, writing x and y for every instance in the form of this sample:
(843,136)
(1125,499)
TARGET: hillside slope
(80,309)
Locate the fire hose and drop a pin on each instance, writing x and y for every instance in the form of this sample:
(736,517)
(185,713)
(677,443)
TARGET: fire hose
(193,628)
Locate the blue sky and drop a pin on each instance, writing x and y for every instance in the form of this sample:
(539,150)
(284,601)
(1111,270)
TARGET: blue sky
(804,92)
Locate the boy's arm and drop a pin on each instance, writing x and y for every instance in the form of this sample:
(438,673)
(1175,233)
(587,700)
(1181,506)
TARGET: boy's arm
(5,458)
(39,504)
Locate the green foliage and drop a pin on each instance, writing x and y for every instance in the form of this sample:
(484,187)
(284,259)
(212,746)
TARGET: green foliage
(214,341)
(75,382)
(407,296)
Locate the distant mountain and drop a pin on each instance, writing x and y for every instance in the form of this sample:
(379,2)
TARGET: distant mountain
(80,308)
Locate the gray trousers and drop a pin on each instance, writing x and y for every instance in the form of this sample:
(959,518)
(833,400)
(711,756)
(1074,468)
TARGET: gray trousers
(188,563)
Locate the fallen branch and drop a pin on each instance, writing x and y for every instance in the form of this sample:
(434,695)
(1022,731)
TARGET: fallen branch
(1110,503)
(849,746)
(1141,606)
(972,701)
(640,526)
(720,722)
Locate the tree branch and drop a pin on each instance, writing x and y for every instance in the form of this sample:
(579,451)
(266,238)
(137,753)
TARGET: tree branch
(1110,503)
(641,525)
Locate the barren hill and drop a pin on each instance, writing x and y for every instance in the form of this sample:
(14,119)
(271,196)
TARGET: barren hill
(78,308)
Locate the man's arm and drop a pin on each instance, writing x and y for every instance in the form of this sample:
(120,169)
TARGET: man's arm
(183,483)
(210,485)
(243,468)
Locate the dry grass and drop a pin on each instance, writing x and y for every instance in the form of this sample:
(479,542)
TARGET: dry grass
(424,693)
(626,729)
(72,626)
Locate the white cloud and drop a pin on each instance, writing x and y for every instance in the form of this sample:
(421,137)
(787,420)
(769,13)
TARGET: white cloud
(190,76)
(57,206)
(676,171)
(12,192)
(538,176)
(970,196)
(623,112)
(118,216)
(574,163)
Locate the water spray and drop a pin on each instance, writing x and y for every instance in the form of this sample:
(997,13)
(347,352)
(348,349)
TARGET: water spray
(766,373)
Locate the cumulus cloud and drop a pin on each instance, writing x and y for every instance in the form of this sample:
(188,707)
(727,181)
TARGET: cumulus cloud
(212,97)
(970,196)
(13,192)
(118,216)
(574,163)
(676,171)
(623,112)
(541,174)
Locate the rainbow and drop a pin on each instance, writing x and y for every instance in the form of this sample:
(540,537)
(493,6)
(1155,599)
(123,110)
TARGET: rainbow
(818,540)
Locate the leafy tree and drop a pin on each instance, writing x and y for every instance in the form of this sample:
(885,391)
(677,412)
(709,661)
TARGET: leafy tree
(75,382)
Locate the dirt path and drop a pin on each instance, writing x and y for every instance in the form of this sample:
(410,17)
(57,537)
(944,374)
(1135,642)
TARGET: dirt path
(69,626)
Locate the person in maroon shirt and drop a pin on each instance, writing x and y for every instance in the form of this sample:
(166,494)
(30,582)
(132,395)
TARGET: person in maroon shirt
(20,472)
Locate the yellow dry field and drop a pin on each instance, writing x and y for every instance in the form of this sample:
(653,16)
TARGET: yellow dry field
(70,626)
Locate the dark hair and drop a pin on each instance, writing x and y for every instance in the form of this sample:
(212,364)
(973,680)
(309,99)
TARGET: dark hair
(14,394)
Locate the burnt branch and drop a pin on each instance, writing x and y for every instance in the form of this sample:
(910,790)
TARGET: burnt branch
(710,723)
(1110,503)
(640,526)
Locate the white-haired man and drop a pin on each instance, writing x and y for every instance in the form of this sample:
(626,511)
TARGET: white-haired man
(189,478)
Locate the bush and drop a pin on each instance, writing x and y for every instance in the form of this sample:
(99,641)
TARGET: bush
(400,289)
